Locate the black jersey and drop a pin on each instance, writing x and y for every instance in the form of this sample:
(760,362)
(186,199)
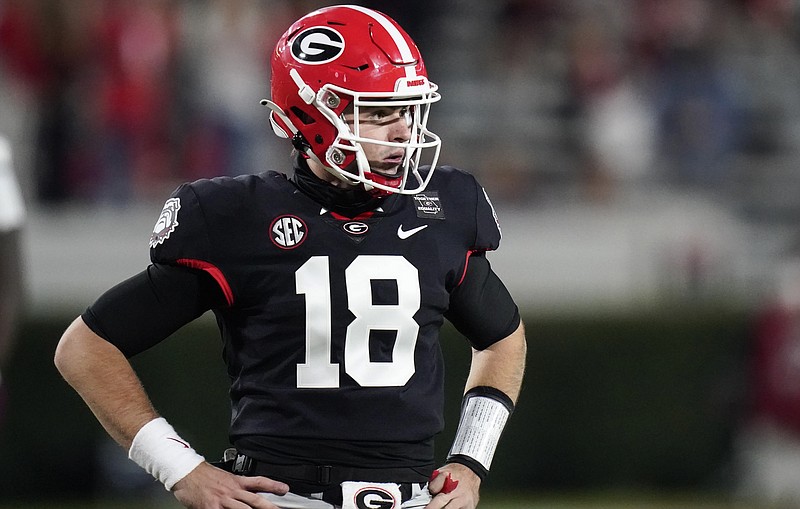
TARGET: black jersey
(332,324)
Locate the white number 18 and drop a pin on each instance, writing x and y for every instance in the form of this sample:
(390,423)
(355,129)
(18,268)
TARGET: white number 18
(313,281)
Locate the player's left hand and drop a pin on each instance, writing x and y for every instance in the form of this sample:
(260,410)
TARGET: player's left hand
(455,486)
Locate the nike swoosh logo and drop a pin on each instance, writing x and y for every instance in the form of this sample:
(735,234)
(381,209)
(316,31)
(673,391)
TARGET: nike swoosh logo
(404,234)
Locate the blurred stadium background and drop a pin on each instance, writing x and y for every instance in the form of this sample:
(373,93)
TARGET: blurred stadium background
(643,159)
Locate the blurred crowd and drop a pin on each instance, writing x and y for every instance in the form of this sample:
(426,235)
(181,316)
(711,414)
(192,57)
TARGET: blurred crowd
(111,101)
(116,99)
(594,98)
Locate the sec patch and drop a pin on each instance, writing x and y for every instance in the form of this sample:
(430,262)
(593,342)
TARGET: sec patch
(288,232)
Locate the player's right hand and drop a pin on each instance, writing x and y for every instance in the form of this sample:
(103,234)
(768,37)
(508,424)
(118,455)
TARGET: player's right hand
(454,486)
(208,487)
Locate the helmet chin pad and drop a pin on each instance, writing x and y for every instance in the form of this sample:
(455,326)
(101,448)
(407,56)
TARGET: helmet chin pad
(394,182)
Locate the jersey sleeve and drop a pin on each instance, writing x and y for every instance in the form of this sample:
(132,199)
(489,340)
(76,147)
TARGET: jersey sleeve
(181,232)
(145,309)
(481,308)
(487,236)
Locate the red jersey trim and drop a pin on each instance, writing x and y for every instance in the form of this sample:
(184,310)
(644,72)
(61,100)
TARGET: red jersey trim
(364,215)
(466,264)
(214,272)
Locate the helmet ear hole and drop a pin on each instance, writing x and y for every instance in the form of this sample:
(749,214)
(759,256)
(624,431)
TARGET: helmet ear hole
(304,117)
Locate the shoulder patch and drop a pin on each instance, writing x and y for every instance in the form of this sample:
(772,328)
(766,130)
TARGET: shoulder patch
(167,222)
(428,205)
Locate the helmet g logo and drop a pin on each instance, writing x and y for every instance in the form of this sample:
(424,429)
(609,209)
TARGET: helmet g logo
(317,45)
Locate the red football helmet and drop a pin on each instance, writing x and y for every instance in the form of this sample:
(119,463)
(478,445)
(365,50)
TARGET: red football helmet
(344,57)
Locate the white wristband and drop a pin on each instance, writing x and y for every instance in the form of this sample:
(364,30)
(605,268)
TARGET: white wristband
(159,450)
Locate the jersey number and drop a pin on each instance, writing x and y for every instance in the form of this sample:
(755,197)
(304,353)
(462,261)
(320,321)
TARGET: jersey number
(313,281)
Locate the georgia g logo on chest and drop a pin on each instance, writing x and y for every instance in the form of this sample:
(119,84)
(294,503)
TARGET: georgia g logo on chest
(288,232)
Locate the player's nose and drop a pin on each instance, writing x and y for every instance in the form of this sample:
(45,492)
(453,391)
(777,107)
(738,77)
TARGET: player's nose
(400,130)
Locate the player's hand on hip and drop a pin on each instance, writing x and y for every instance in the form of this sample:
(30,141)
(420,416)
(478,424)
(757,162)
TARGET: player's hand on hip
(454,486)
(208,487)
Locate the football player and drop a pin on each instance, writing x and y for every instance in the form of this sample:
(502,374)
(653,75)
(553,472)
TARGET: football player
(329,288)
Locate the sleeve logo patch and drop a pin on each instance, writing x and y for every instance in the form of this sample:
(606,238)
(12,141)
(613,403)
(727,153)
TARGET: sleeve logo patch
(167,222)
